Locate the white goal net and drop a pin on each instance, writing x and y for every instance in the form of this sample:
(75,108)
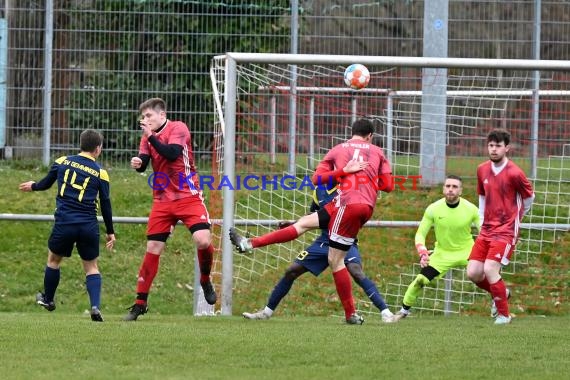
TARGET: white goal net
(276,116)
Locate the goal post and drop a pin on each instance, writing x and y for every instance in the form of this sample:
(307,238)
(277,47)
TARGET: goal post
(425,136)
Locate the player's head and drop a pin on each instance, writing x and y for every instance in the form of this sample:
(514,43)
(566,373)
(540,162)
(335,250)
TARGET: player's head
(153,113)
(452,188)
(91,141)
(363,128)
(498,141)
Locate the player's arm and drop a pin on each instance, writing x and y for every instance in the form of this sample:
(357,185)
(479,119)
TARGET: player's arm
(527,203)
(481,210)
(420,238)
(140,162)
(527,194)
(481,193)
(325,174)
(168,151)
(105,201)
(476,219)
(46,182)
(106,209)
(386,181)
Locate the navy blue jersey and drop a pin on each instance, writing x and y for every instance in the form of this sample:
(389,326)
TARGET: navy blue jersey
(315,257)
(80,181)
(322,196)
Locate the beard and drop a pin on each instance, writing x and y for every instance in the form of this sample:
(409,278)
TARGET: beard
(496,159)
(451,199)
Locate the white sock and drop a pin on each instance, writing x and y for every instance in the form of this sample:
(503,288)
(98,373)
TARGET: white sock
(386,312)
(267,311)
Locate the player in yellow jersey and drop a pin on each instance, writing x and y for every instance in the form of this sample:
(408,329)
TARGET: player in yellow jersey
(452,218)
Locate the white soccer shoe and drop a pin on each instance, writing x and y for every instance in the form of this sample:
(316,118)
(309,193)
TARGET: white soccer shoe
(400,315)
(242,244)
(388,316)
(258,315)
(502,320)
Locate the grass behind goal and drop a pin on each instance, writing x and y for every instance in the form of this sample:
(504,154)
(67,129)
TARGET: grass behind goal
(49,346)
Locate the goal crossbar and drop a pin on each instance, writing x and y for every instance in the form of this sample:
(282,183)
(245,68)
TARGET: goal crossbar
(430,62)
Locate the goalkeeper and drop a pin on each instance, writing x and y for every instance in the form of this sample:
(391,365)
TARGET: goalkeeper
(452,218)
(314,259)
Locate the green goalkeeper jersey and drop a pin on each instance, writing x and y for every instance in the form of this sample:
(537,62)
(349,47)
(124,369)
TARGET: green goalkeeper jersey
(452,225)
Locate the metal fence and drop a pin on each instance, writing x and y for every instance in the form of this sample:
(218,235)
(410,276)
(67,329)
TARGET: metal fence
(67,65)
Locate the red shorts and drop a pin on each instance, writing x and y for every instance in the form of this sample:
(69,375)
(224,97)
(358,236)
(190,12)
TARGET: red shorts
(346,221)
(492,250)
(164,215)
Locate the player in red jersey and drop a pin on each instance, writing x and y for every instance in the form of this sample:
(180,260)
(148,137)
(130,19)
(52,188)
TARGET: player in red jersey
(505,196)
(176,197)
(361,170)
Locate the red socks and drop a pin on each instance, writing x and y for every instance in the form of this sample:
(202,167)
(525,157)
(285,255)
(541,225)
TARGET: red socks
(499,293)
(148,270)
(279,236)
(205,259)
(484,285)
(344,290)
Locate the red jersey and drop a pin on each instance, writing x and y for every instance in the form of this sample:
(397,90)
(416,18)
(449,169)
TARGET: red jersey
(362,186)
(504,193)
(172,179)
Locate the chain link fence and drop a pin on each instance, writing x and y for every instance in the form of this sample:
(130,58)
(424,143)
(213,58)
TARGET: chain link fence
(68,65)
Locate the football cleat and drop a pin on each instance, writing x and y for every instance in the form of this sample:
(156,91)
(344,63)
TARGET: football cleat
(400,315)
(494,311)
(502,320)
(355,319)
(209,293)
(41,300)
(258,315)
(96,315)
(242,244)
(135,311)
(387,316)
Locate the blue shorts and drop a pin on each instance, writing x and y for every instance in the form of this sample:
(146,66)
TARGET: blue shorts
(84,236)
(315,257)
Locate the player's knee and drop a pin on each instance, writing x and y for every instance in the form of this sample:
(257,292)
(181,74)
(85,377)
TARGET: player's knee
(356,272)
(294,271)
(421,281)
(202,239)
(474,274)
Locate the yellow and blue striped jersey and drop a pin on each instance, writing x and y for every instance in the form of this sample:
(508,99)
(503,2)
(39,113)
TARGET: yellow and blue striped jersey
(80,181)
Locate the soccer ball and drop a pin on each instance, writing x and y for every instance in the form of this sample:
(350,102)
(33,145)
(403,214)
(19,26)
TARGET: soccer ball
(356,76)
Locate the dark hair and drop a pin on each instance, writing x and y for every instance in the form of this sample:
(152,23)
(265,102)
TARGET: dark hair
(89,140)
(362,128)
(498,136)
(453,176)
(156,104)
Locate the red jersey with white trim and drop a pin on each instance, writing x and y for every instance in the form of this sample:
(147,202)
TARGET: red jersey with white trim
(172,179)
(504,193)
(362,186)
